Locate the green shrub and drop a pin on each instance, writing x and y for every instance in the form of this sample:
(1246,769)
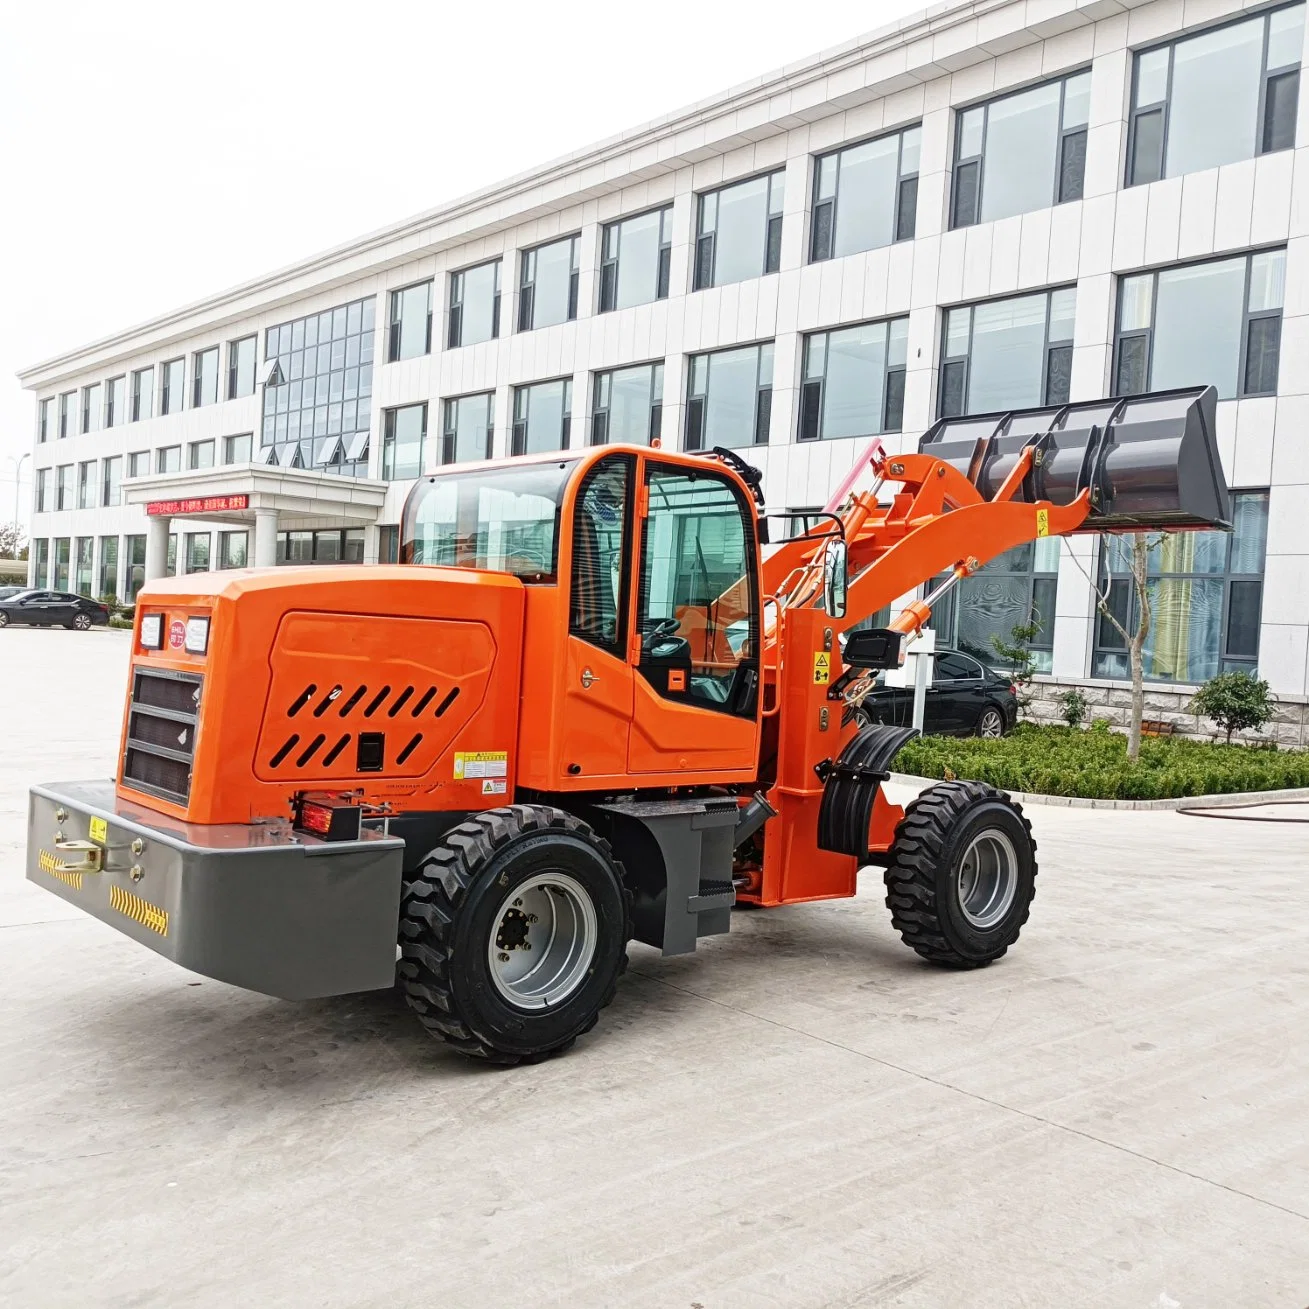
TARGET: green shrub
(1235,701)
(1072,707)
(1094,764)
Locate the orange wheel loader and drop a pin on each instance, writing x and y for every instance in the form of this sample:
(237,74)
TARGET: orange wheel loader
(591,704)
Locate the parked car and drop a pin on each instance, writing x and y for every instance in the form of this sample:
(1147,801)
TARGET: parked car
(964,698)
(53,609)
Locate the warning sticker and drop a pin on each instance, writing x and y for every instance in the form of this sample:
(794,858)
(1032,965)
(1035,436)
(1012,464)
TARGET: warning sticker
(481,763)
(494,786)
(822,668)
(99,830)
(1043,522)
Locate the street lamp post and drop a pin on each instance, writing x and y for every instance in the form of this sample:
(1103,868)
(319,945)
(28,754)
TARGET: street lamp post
(18,478)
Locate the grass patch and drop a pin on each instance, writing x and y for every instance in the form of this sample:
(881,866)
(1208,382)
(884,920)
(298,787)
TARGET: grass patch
(1093,764)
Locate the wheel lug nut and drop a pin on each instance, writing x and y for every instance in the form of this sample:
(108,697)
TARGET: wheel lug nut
(504,958)
(526,945)
(531,918)
(518,904)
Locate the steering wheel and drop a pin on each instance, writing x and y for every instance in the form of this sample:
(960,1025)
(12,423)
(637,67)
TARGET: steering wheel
(661,639)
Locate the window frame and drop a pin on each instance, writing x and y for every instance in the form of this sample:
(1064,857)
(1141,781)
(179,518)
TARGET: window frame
(160,460)
(228,447)
(93,399)
(1147,333)
(69,414)
(888,371)
(450,430)
(390,418)
(234,391)
(166,409)
(198,400)
(134,400)
(763,418)
(112,415)
(834,203)
(959,161)
(1136,112)
(395,320)
(607,282)
(519,425)
(771,261)
(44,483)
(527,283)
(598,427)
(134,457)
(193,450)
(618,646)
(111,487)
(88,484)
(455,302)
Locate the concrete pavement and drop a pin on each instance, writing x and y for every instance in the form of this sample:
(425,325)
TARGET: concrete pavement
(802,1114)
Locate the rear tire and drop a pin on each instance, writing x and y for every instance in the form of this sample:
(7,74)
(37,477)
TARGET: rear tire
(82,622)
(990,723)
(501,884)
(962,874)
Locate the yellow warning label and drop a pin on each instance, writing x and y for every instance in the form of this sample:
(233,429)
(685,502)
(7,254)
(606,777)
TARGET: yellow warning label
(481,763)
(1043,522)
(99,830)
(822,668)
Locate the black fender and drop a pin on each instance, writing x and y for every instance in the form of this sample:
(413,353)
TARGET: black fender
(850,787)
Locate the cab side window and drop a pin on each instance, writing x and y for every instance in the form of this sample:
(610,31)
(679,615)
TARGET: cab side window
(697,607)
(598,606)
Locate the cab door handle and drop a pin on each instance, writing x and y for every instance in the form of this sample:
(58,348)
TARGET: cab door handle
(588,679)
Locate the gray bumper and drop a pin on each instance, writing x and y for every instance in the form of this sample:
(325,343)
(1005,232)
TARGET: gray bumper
(257,906)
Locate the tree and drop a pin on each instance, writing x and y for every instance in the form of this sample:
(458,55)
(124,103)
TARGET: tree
(1017,653)
(1235,701)
(13,541)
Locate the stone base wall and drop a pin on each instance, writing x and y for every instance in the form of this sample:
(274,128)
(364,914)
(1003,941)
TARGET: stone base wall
(1289,726)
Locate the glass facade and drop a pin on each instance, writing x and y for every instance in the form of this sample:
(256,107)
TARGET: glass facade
(329,546)
(474,305)
(467,428)
(197,552)
(172,389)
(84,575)
(41,556)
(853,381)
(409,332)
(635,260)
(233,549)
(547,284)
(134,575)
(1007,354)
(739,231)
(108,567)
(1021,152)
(62,554)
(1226,94)
(542,416)
(241,367)
(627,404)
(318,390)
(729,397)
(1216,322)
(1206,599)
(404,433)
(865,195)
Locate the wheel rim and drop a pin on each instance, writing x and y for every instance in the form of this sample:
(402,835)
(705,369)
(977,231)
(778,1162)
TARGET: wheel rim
(81,622)
(990,724)
(543,941)
(988,878)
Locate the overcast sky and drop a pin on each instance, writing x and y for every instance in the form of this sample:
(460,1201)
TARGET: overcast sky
(152,153)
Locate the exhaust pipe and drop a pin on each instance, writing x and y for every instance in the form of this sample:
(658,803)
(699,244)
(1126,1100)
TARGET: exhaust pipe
(752,817)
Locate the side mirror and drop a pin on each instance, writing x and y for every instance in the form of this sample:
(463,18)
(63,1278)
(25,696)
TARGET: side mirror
(835,578)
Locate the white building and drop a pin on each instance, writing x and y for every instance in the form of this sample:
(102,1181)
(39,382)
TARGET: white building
(998,203)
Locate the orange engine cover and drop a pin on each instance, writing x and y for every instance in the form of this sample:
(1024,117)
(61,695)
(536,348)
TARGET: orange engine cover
(402,683)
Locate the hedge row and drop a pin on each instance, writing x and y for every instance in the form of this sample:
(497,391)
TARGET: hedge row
(1049,760)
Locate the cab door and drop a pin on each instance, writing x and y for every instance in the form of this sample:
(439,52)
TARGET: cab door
(696,645)
(597,690)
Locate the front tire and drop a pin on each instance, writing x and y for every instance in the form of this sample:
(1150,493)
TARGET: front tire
(962,874)
(4,619)
(513,934)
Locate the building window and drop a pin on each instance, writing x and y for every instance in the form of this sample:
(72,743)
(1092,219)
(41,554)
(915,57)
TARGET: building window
(111,482)
(173,387)
(237,449)
(204,377)
(388,544)
(467,428)
(729,397)
(143,394)
(85,574)
(318,390)
(627,404)
(1218,322)
(42,497)
(135,575)
(201,454)
(866,195)
(542,417)
(64,487)
(1021,152)
(739,231)
(1019,586)
(331,546)
(1206,597)
(86,484)
(410,323)
(1008,354)
(853,381)
(41,574)
(404,433)
(67,414)
(115,394)
(1226,94)
(168,459)
(92,407)
(63,546)
(636,256)
(44,418)
(233,549)
(474,305)
(197,552)
(547,285)
(241,367)
(171,566)
(138,463)
(108,566)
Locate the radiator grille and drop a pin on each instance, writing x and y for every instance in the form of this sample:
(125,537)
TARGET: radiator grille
(161,730)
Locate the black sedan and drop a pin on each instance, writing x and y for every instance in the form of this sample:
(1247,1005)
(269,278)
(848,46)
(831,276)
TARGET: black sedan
(964,698)
(53,609)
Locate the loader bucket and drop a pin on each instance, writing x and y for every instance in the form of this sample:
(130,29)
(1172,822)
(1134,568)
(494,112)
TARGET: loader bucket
(1150,461)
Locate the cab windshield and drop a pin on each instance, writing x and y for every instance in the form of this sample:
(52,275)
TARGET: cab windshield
(502,519)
